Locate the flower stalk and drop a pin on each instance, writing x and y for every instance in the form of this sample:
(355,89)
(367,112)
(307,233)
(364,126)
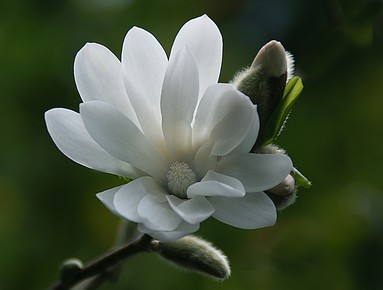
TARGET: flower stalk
(105,262)
(190,253)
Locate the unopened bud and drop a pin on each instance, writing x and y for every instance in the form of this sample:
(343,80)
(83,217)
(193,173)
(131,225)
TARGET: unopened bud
(194,254)
(265,80)
(270,149)
(272,59)
(286,187)
(69,270)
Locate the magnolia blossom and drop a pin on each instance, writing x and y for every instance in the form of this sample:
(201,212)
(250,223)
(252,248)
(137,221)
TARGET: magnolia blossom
(167,124)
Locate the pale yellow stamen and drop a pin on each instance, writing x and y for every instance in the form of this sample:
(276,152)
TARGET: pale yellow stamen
(180,176)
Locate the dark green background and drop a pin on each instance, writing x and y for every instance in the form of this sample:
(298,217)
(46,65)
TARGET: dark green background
(330,239)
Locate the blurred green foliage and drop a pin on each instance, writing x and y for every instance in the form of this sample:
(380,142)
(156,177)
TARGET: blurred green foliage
(332,238)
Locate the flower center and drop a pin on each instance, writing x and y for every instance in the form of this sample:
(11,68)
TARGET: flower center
(180,177)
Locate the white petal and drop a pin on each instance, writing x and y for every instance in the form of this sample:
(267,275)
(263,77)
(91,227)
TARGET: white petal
(257,172)
(248,143)
(228,118)
(202,161)
(178,100)
(210,111)
(204,40)
(127,199)
(107,197)
(234,129)
(157,215)
(216,184)
(144,63)
(98,76)
(254,210)
(70,136)
(194,210)
(121,138)
(182,230)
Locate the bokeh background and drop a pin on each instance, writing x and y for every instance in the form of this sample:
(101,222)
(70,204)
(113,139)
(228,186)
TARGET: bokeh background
(331,238)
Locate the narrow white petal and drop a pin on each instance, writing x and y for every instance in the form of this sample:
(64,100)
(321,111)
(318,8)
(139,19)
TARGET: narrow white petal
(216,184)
(98,76)
(157,215)
(182,230)
(107,197)
(257,172)
(210,111)
(70,136)
(127,199)
(254,210)
(202,36)
(202,161)
(144,63)
(178,100)
(231,132)
(194,210)
(251,137)
(121,138)
(228,118)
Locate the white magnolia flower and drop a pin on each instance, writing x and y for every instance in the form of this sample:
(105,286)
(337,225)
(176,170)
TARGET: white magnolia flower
(168,125)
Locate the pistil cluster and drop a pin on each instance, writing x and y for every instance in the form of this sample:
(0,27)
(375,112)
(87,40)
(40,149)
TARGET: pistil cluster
(180,176)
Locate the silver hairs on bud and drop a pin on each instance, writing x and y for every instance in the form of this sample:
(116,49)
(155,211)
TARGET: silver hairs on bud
(195,254)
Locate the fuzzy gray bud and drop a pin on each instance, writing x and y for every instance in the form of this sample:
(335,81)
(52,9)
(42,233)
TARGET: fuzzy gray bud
(265,80)
(284,194)
(272,59)
(286,187)
(194,254)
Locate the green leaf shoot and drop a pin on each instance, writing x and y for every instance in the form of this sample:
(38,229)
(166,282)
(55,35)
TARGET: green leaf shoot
(300,179)
(275,124)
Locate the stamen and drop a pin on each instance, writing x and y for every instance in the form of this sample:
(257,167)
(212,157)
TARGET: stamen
(180,177)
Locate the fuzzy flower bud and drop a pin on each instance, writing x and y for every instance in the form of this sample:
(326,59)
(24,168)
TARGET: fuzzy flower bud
(194,254)
(265,80)
(286,187)
(272,59)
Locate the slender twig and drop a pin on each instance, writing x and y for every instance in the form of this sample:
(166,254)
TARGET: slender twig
(95,282)
(103,263)
(125,233)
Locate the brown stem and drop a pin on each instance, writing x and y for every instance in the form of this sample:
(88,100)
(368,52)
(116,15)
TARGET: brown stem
(103,263)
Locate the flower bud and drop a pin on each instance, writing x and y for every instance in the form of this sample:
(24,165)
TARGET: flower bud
(272,59)
(283,201)
(286,187)
(69,269)
(270,149)
(265,80)
(194,254)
